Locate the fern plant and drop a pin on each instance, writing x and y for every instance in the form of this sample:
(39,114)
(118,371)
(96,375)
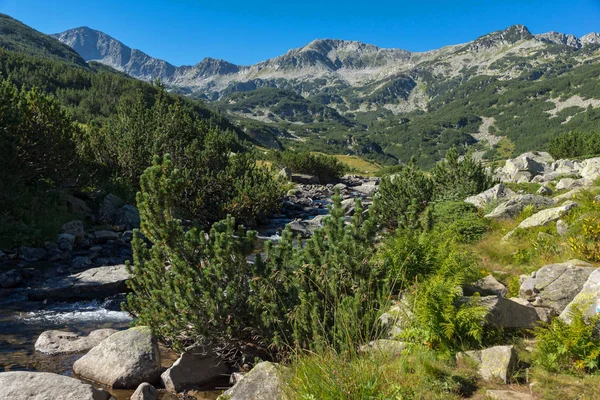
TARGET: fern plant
(569,347)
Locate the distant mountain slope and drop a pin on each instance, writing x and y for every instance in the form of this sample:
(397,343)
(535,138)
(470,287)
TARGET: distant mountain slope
(509,90)
(16,36)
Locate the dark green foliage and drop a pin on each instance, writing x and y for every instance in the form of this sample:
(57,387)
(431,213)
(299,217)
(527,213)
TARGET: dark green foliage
(460,219)
(455,179)
(441,317)
(404,196)
(325,293)
(575,144)
(327,168)
(189,285)
(574,346)
(37,143)
(16,36)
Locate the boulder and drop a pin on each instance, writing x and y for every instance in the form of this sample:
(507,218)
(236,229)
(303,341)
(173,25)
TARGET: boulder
(32,254)
(124,360)
(505,313)
(367,188)
(348,206)
(513,207)
(569,183)
(546,216)
(507,395)
(568,196)
(94,283)
(74,228)
(340,186)
(587,299)
(486,286)
(60,342)
(496,195)
(105,236)
(525,166)
(65,241)
(305,179)
(144,392)
(22,385)
(590,170)
(196,367)
(556,285)
(128,216)
(10,279)
(497,362)
(77,206)
(263,382)
(109,208)
(544,191)
(561,227)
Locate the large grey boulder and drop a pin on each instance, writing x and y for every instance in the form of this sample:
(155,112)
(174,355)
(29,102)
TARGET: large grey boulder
(22,385)
(65,241)
(305,179)
(77,206)
(196,367)
(525,166)
(128,216)
(587,299)
(94,283)
(513,207)
(485,286)
(590,169)
(570,183)
(496,195)
(556,285)
(10,279)
(124,360)
(105,235)
(60,342)
(498,362)
(109,208)
(367,188)
(544,217)
(263,382)
(505,313)
(74,228)
(145,392)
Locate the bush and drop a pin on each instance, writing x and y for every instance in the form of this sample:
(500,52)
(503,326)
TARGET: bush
(575,144)
(327,168)
(455,179)
(588,244)
(460,219)
(568,347)
(402,197)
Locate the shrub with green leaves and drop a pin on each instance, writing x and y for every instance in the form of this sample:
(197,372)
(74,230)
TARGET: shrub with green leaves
(460,219)
(575,144)
(574,346)
(327,168)
(455,179)
(402,197)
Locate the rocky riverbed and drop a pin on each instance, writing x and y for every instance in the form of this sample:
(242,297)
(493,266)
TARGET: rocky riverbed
(77,283)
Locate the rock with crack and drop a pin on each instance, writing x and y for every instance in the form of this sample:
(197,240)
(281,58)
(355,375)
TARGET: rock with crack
(94,283)
(60,342)
(556,285)
(508,314)
(22,385)
(507,395)
(499,362)
(263,382)
(124,360)
(145,392)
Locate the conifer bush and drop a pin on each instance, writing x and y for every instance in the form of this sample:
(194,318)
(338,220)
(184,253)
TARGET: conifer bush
(326,167)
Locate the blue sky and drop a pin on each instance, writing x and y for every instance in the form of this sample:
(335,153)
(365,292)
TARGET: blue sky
(245,32)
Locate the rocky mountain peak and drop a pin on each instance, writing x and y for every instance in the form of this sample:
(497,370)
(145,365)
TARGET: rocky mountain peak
(508,36)
(211,66)
(559,38)
(590,38)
